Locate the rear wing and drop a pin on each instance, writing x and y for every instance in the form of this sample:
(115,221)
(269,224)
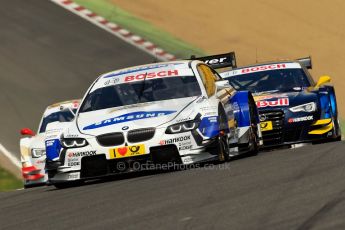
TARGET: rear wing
(219,60)
(306,62)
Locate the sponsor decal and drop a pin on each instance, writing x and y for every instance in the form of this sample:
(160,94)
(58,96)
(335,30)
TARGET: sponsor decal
(128,117)
(174,140)
(74,176)
(253,69)
(82,154)
(71,136)
(142,76)
(266,126)
(215,61)
(299,119)
(187,159)
(40,162)
(185,145)
(53,148)
(112,81)
(263,68)
(275,103)
(210,114)
(73,162)
(182,120)
(127,151)
(209,126)
(134,70)
(271,96)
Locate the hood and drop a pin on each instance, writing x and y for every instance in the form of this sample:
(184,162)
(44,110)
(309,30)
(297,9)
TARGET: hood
(284,100)
(151,114)
(37,142)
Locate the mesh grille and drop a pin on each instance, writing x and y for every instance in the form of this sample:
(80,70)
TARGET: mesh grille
(274,136)
(111,139)
(138,135)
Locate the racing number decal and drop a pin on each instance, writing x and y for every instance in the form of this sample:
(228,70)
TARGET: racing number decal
(127,151)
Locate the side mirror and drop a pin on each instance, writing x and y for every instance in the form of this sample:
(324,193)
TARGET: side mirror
(223,84)
(322,80)
(27,132)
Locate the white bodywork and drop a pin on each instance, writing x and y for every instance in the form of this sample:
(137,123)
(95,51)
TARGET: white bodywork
(191,145)
(33,164)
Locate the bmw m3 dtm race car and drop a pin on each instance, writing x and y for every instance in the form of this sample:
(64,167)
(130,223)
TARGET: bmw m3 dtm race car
(32,148)
(180,112)
(293,108)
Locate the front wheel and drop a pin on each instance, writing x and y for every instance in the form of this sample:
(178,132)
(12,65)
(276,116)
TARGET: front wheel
(223,144)
(254,129)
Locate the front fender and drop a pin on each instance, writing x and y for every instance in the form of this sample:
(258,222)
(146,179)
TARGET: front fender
(328,102)
(240,104)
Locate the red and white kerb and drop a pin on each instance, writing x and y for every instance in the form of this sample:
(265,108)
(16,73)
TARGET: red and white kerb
(116,30)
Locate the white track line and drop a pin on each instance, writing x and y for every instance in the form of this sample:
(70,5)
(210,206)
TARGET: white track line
(10,156)
(116,30)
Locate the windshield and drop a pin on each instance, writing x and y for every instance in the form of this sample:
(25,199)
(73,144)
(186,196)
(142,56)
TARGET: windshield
(141,91)
(282,80)
(62,116)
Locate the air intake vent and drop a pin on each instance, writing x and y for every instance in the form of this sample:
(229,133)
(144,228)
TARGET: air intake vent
(138,135)
(111,139)
(274,136)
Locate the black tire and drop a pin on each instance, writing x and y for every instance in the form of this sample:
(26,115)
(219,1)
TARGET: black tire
(253,127)
(223,145)
(68,184)
(337,130)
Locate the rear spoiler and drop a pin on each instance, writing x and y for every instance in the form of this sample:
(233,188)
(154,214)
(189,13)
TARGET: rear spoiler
(306,62)
(219,60)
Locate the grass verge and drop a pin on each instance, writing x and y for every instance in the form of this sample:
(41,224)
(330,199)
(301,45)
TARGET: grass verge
(8,181)
(142,28)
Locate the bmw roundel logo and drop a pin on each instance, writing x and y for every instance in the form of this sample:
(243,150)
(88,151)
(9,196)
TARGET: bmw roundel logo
(125,127)
(262,117)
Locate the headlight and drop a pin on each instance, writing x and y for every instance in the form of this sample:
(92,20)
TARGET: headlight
(182,127)
(73,142)
(309,107)
(35,153)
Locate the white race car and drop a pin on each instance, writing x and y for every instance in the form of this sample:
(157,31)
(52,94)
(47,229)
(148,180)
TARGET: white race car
(174,112)
(32,148)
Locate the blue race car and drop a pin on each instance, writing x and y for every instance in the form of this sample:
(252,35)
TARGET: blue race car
(293,108)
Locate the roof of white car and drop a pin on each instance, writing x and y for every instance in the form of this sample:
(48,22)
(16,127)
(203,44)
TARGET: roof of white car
(71,104)
(176,64)
(144,72)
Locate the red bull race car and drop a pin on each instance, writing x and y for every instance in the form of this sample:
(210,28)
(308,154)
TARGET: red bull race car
(293,108)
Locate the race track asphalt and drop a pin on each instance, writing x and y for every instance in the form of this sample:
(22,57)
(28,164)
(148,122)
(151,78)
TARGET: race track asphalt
(47,55)
(300,188)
